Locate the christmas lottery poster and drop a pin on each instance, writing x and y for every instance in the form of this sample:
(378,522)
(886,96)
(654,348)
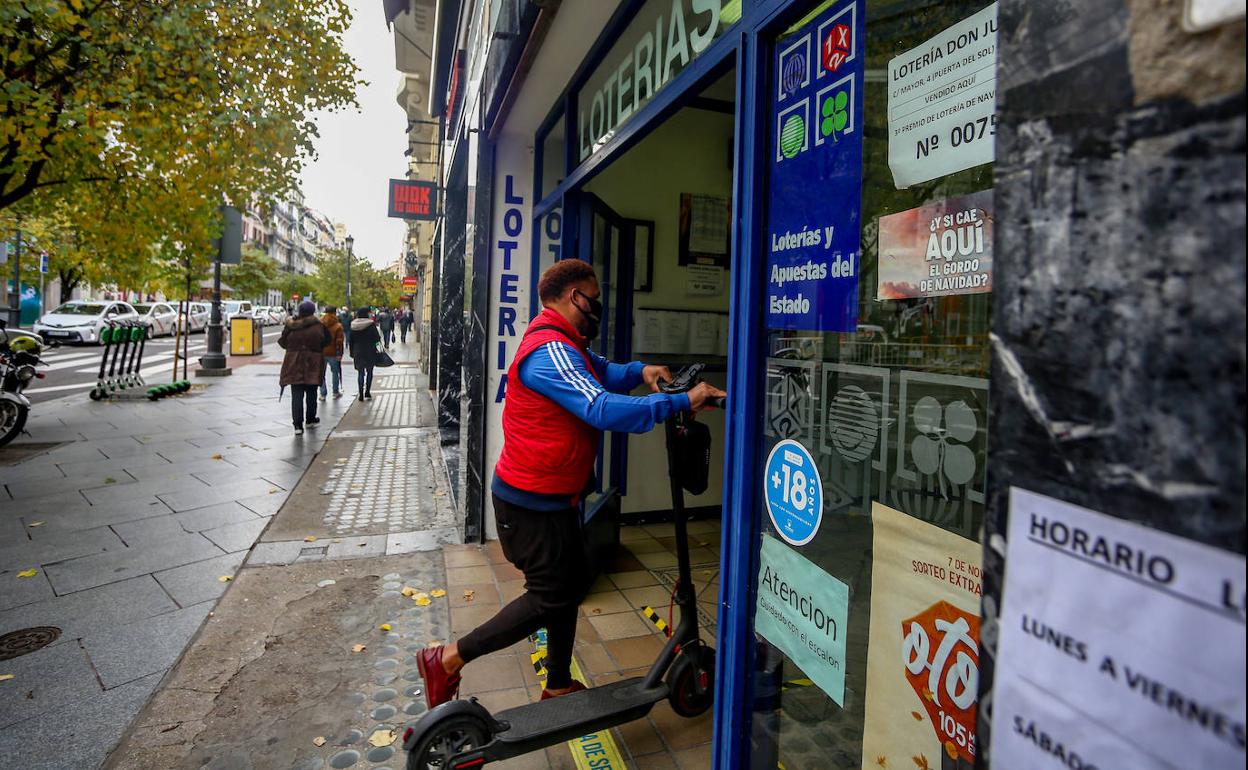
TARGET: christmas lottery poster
(923,659)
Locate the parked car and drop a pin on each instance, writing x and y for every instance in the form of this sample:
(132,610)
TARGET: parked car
(277,315)
(234,307)
(261,314)
(82,320)
(160,317)
(199,314)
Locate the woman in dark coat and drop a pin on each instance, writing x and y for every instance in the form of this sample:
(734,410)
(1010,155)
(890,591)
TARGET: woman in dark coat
(365,340)
(304,338)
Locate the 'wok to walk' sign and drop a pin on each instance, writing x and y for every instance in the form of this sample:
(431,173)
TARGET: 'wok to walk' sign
(413,200)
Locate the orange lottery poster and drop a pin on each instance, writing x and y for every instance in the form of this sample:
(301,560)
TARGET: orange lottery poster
(923,660)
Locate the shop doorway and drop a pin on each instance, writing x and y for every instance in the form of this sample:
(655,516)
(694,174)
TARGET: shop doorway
(656,225)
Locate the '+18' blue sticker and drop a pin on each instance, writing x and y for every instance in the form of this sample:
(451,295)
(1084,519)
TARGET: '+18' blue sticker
(794,492)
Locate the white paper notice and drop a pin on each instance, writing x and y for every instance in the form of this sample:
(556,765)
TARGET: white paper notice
(704,281)
(1121,646)
(942,101)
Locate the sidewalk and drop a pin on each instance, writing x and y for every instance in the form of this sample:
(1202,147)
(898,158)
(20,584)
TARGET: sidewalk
(131,514)
(295,666)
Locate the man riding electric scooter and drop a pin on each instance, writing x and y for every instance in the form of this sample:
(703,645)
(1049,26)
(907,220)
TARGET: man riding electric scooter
(560,396)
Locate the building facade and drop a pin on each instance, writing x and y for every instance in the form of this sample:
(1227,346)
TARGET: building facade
(967,269)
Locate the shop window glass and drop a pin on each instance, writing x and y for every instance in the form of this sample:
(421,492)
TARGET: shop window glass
(552,158)
(893,415)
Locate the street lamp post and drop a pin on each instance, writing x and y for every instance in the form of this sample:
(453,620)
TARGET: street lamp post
(15,298)
(350,246)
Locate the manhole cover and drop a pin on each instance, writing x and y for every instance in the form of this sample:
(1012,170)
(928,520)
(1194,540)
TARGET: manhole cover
(18,643)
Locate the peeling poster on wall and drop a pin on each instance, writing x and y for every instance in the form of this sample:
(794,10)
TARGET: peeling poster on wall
(923,659)
(937,250)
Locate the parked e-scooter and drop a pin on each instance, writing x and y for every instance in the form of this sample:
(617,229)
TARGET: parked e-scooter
(463,734)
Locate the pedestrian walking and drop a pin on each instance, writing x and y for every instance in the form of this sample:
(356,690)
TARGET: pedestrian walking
(333,352)
(405,325)
(303,338)
(560,397)
(344,319)
(385,323)
(365,342)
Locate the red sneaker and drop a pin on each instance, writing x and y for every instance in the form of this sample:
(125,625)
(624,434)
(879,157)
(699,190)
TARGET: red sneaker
(576,687)
(439,685)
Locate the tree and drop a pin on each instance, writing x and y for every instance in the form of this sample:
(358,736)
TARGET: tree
(369,286)
(254,275)
(137,118)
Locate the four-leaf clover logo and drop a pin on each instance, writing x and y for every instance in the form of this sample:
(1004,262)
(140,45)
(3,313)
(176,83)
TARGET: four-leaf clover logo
(835,118)
(941,446)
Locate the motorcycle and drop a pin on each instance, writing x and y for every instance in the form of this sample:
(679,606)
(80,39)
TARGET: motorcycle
(19,355)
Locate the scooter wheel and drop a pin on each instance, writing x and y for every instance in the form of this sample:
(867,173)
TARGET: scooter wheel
(445,740)
(691,682)
(96,394)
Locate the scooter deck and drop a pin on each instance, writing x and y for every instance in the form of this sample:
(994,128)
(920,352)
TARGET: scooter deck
(570,716)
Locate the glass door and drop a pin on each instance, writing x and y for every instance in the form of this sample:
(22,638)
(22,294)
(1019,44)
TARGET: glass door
(605,246)
(876,386)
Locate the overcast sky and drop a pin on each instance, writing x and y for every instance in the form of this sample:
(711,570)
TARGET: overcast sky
(359,151)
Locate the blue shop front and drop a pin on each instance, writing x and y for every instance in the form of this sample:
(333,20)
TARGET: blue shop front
(798,195)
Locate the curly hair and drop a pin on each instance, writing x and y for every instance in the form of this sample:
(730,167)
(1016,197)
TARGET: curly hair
(561,275)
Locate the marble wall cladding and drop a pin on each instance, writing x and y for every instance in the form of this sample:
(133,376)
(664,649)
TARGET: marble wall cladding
(476,339)
(1118,330)
(451,307)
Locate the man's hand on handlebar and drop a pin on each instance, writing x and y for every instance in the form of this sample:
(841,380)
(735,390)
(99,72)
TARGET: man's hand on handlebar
(705,396)
(655,375)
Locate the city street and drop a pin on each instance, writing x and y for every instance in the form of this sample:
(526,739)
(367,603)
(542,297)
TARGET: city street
(73,369)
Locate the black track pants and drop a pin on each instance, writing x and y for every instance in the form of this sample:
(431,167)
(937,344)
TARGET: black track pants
(549,548)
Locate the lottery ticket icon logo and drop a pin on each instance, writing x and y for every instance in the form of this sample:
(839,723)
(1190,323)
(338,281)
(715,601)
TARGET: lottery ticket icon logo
(837,45)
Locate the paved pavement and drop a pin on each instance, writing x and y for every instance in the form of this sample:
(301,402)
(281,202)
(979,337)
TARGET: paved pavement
(73,369)
(130,514)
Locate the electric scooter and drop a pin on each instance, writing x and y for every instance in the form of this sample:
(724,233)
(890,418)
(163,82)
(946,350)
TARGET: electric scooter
(463,734)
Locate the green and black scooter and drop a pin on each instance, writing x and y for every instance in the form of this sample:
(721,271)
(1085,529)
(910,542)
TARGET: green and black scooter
(463,734)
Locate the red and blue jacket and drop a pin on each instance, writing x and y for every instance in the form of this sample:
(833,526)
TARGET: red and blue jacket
(560,396)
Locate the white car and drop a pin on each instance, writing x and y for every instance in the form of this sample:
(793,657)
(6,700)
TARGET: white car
(82,320)
(197,318)
(277,315)
(234,307)
(160,317)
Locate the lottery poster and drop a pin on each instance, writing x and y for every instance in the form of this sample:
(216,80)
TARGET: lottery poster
(923,664)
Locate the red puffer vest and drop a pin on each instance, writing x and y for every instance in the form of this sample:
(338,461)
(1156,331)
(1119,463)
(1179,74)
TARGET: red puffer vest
(546,449)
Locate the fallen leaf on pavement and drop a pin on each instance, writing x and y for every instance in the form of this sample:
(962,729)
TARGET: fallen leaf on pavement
(310,539)
(225,578)
(28,573)
(361,544)
(437,593)
(468,594)
(110,480)
(381,738)
(274,491)
(318,741)
(170,728)
(433,643)
(359,648)
(385,626)
(35,524)
(422,600)
(6,677)
(216,457)
(407,591)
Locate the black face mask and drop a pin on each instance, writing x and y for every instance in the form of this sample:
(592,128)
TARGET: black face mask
(593,316)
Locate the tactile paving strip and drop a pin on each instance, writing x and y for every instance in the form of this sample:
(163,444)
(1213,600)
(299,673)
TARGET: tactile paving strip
(394,698)
(386,484)
(399,381)
(388,410)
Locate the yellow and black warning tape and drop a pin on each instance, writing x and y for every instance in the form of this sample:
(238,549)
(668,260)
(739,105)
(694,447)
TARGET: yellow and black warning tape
(658,622)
